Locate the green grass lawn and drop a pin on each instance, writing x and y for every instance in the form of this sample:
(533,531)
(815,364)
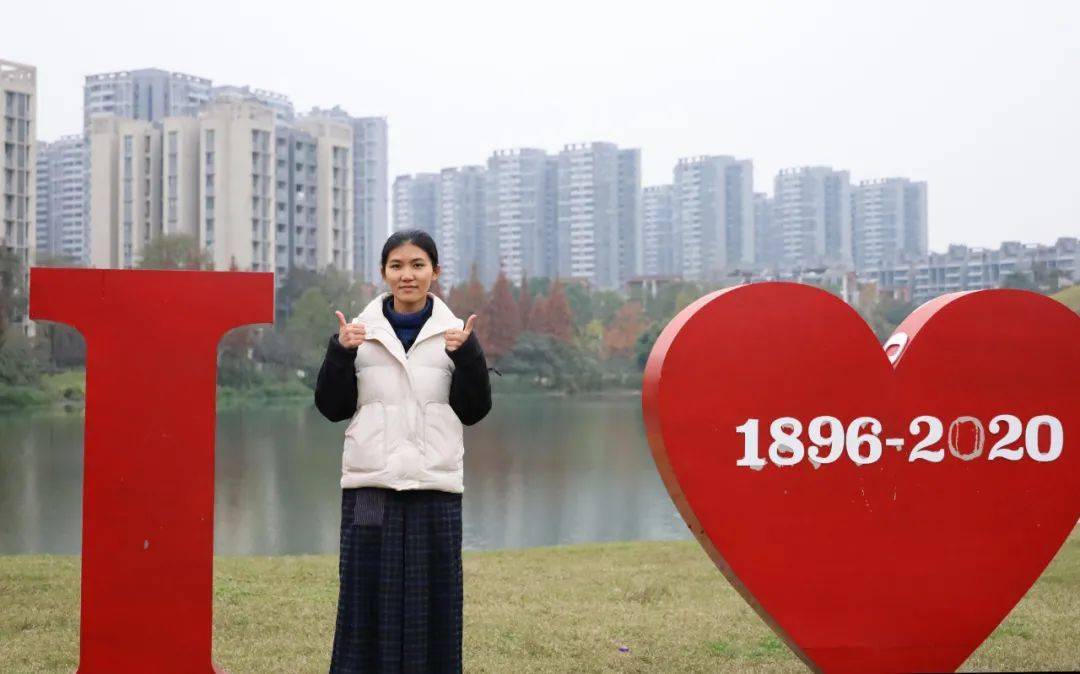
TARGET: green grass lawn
(1070,297)
(538,610)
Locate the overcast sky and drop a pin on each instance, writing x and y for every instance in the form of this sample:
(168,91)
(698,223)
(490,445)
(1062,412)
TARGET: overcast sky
(980,99)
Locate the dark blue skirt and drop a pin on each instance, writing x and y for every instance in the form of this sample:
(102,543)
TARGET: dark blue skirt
(400,598)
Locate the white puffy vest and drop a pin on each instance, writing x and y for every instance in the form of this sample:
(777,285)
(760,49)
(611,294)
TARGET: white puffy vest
(404,434)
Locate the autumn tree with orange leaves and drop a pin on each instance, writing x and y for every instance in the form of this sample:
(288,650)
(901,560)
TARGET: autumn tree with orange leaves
(552,316)
(622,333)
(499,325)
(468,298)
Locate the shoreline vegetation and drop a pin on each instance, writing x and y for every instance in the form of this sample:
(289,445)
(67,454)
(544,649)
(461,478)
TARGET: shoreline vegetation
(548,336)
(627,607)
(531,367)
(66,392)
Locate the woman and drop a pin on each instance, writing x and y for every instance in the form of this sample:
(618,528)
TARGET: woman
(408,374)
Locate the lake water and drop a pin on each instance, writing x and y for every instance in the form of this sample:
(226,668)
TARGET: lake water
(538,471)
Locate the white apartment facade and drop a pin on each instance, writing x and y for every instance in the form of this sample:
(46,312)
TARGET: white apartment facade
(713,216)
(414,201)
(18,179)
(658,245)
(334,192)
(61,231)
(519,227)
(371,189)
(889,217)
(459,229)
(215,178)
(960,268)
(811,217)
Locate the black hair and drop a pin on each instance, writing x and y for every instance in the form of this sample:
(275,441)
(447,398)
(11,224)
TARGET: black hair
(417,237)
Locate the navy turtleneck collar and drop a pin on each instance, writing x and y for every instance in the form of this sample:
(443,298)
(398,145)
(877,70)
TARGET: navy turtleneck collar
(407,326)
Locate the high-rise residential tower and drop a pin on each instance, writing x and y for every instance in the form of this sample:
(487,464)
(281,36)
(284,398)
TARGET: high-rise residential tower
(370,189)
(180,188)
(256,193)
(18,181)
(279,103)
(149,94)
(60,229)
(297,217)
(812,217)
(888,217)
(414,201)
(334,191)
(658,252)
(630,215)
(713,217)
(518,233)
(599,213)
(766,242)
(125,160)
(459,229)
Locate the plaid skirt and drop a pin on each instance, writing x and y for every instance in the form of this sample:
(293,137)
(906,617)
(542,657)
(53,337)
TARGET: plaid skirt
(400,597)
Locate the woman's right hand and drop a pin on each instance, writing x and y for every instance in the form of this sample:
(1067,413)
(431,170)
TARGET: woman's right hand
(350,335)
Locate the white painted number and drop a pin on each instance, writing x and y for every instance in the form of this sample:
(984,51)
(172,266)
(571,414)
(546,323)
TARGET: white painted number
(835,439)
(934,428)
(787,441)
(1057,438)
(750,445)
(1001,449)
(862,440)
(855,440)
(954,438)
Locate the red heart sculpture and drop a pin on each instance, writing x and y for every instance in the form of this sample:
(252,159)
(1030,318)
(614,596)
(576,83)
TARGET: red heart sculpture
(880,516)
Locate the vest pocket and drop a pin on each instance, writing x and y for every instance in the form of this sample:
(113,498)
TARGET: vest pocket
(442,437)
(365,439)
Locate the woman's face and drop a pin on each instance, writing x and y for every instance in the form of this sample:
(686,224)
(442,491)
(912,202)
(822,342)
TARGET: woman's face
(409,274)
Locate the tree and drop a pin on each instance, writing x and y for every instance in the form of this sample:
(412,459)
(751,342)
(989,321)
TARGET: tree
(1048,278)
(525,302)
(468,298)
(626,326)
(886,315)
(61,345)
(551,364)
(311,325)
(175,251)
(500,324)
(1020,281)
(57,260)
(11,295)
(580,302)
(296,282)
(555,318)
(534,357)
(605,304)
(643,347)
(18,364)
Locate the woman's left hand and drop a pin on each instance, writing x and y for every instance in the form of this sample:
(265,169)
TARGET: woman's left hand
(455,338)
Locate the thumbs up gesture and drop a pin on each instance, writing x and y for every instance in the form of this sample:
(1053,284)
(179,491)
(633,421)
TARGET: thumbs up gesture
(350,335)
(455,338)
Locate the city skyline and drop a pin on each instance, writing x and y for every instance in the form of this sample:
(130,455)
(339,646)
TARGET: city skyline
(959,111)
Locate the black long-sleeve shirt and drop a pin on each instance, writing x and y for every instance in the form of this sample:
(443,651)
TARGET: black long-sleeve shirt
(470,388)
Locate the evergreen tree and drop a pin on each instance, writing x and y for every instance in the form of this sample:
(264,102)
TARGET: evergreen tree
(176,251)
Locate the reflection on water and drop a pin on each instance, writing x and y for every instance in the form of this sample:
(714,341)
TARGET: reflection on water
(538,471)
